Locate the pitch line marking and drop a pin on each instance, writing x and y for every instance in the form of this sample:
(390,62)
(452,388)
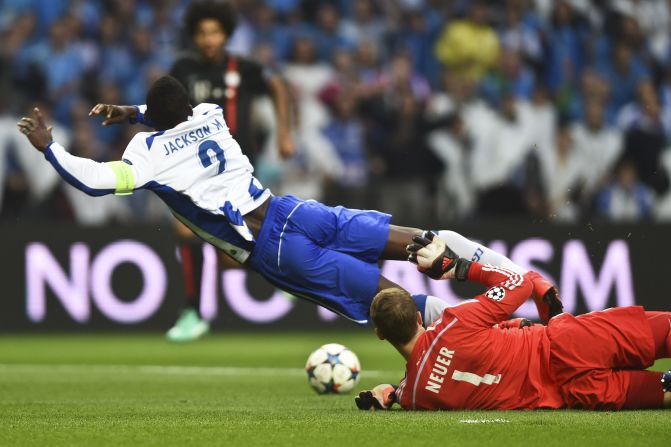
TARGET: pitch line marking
(484,421)
(172,369)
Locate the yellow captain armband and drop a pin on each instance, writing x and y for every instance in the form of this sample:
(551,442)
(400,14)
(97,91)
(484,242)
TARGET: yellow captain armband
(125,182)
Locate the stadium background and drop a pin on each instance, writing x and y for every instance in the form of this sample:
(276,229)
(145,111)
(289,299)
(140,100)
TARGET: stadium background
(543,132)
(516,123)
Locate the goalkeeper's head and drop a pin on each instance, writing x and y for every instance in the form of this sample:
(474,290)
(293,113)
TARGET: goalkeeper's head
(167,103)
(396,319)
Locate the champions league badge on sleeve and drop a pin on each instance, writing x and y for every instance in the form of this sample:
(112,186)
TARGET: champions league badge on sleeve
(496,293)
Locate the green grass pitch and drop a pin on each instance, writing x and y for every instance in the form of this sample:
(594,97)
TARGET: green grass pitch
(249,390)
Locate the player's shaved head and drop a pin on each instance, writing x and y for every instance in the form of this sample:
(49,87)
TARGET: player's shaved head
(167,103)
(394,314)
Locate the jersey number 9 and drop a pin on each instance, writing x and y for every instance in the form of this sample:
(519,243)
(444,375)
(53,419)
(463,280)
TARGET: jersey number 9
(205,151)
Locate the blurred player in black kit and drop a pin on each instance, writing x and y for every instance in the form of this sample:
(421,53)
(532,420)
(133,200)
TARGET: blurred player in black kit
(213,75)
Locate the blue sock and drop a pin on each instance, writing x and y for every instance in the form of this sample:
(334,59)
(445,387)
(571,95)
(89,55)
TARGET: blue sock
(420,301)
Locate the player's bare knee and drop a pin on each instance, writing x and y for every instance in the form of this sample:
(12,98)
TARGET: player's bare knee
(384,283)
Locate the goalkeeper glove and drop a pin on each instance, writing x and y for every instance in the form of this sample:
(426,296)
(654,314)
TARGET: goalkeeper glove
(545,296)
(382,397)
(434,258)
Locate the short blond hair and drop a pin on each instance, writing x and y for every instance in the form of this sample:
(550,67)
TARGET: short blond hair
(394,314)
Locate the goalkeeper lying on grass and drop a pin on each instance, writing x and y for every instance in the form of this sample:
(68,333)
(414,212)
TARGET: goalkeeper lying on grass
(465,360)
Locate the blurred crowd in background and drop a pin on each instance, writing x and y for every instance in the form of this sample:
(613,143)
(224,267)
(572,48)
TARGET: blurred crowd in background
(437,111)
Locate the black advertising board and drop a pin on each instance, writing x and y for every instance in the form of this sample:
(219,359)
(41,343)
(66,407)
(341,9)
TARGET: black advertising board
(68,278)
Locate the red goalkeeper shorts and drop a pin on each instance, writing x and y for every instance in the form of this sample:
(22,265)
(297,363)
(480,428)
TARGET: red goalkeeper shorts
(589,352)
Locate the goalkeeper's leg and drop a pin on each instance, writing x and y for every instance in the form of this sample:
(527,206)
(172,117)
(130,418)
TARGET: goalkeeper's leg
(644,391)
(644,386)
(647,389)
(660,324)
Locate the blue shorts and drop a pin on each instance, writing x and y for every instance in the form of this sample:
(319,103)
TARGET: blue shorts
(325,254)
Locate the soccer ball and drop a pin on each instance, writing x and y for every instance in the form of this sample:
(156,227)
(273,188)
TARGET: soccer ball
(333,368)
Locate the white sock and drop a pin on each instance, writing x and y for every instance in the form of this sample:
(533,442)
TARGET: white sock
(473,251)
(433,310)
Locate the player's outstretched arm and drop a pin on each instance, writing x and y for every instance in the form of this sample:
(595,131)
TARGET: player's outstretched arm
(508,289)
(116,114)
(36,130)
(437,259)
(382,397)
(507,292)
(89,176)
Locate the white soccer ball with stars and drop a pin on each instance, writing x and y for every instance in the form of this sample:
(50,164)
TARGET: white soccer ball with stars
(333,368)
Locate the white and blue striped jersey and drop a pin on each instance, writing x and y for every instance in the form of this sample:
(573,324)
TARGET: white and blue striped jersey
(196,168)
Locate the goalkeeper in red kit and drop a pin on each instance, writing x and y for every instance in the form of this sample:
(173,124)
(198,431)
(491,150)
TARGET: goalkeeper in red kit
(467,360)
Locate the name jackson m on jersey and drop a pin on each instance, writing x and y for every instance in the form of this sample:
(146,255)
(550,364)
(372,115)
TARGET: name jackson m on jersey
(190,138)
(196,168)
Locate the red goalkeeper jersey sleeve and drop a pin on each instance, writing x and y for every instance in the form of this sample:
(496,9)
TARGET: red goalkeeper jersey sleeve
(463,362)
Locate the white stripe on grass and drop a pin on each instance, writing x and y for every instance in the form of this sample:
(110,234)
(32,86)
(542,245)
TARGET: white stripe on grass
(484,421)
(170,370)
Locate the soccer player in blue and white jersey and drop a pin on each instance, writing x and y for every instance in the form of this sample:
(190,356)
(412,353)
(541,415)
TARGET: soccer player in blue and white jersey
(328,255)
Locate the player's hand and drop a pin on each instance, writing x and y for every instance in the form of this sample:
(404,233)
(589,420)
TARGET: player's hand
(515,323)
(382,397)
(35,128)
(113,114)
(434,258)
(285,145)
(546,296)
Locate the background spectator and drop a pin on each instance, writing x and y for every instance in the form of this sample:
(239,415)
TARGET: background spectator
(562,175)
(345,133)
(469,47)
(645,137)
(395,102)
(499,153)
(626,198)
(597,145)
